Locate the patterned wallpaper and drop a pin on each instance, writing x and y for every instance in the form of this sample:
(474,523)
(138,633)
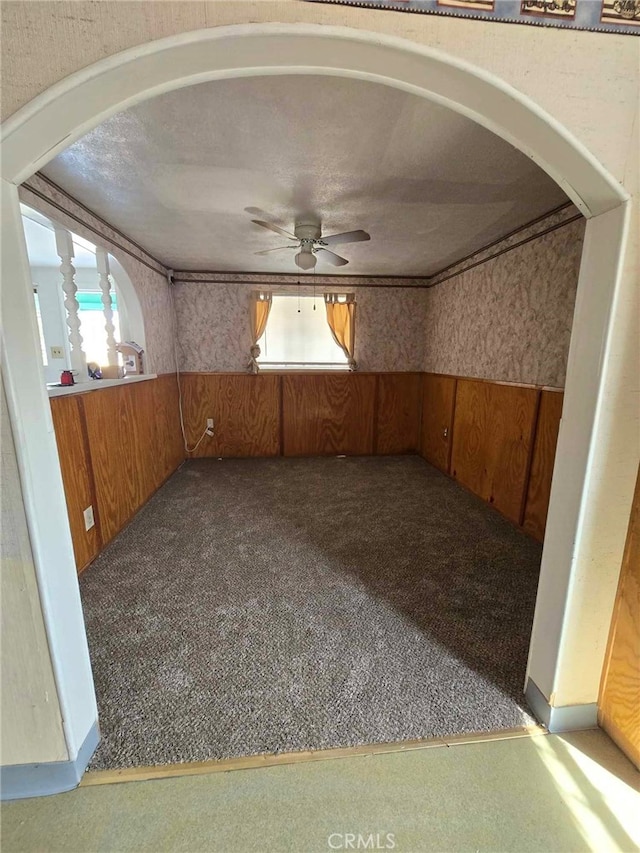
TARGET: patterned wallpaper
(147,275)
(509,318)
(213,326)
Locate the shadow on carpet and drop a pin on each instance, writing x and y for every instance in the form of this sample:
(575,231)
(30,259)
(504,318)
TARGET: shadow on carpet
(271,605)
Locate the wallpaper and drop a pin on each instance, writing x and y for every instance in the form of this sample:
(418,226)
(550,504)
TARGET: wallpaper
(510,318)
(147,275)
(213,326)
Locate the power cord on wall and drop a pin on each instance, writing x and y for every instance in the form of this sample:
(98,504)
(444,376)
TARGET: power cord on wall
(207,430)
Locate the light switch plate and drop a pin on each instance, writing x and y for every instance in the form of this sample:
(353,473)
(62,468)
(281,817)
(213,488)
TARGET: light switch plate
(89,520)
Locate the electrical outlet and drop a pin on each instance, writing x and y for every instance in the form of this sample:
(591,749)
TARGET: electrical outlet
(209,423)
(57,352)
(89,520)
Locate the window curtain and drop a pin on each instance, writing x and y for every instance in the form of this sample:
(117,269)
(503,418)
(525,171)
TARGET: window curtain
(260,308)
(341,317)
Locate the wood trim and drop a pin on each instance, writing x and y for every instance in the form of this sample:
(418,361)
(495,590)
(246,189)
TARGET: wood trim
(542,463)
(494,381)
(376,415)
(532,446)
(281,415)
(252,762)
(452,421)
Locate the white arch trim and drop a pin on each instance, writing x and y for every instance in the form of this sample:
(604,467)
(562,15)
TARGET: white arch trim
(69,109)
(59,116)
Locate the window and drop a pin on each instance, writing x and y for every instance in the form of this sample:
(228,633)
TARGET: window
(92,324)
(298,336)
(43,346)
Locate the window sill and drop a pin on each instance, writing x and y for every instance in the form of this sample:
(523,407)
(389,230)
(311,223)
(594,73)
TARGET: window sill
(95,385)
(302,368)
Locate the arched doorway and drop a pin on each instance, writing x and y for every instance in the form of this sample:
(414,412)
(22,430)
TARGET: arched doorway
(69,109)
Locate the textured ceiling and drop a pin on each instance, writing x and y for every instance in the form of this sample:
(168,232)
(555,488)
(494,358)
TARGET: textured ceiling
(177,172)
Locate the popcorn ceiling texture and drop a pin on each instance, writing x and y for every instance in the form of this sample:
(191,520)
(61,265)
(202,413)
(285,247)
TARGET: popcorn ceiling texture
(509,318)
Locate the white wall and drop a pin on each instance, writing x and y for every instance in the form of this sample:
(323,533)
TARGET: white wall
(31,720)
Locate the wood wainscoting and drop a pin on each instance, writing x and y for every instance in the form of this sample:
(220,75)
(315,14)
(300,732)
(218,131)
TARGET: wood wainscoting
(246,411)
(303,414)
(116,447)
(492,439)
(438,407)
(497,439)
(544,455)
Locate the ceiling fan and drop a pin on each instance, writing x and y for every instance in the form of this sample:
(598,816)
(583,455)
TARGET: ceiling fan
(309,242)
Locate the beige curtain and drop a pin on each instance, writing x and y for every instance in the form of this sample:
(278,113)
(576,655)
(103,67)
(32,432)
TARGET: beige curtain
(341,317)
(260,308)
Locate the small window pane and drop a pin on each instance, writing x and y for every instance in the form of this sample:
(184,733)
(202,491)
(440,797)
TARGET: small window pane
(43,345)
(92,324)
(298,335)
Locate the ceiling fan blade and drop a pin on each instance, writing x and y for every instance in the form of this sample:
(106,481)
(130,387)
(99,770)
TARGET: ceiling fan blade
(346,237)
(332,258)
(273,227)
(277,249)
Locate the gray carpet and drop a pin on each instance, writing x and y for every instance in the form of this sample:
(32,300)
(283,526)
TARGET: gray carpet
(269,605)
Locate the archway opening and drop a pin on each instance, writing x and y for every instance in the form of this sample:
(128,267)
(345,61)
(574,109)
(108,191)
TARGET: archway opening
(33,137)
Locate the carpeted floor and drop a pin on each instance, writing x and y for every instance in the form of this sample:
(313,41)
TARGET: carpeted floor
(268,605)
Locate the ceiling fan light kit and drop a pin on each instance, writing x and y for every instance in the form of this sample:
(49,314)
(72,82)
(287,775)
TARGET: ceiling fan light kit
(305,260)
(310,242)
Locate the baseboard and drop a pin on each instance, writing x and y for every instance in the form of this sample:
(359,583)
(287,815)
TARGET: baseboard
(19,781)
(569,718)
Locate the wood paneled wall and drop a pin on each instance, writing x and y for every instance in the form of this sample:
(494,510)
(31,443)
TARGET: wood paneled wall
(544,454)
(245,410)
(619,704)
(497,439)
(492,440)
(328,414)
(77,475)
(116,446)
(303,414)
(398,409)
(438,406)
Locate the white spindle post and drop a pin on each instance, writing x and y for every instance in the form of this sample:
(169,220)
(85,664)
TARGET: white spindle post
(64,247)
(102,261)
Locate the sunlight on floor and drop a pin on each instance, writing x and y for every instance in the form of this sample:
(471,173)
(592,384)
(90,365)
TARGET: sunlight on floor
(603,805)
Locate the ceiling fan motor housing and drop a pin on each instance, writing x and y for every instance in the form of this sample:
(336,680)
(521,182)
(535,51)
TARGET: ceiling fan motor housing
(307,232)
